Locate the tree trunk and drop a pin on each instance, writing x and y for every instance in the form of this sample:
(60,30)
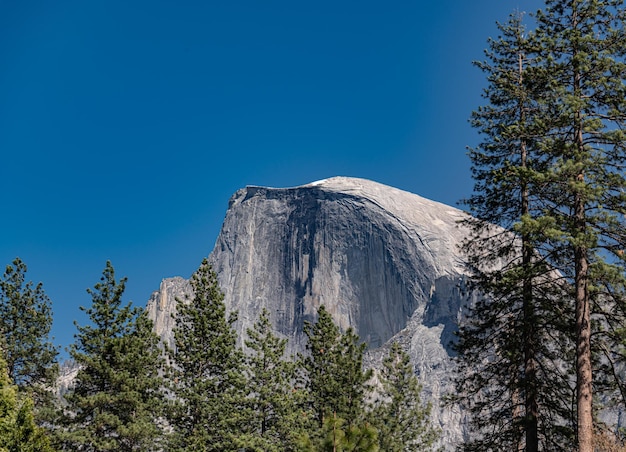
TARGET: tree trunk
(529,333)
(530,362)
(584,390)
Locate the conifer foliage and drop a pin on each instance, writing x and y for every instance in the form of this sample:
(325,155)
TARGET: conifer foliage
(338,388)
(518,394)
(18,432)
(26,319)
(208,383)
(583,47)
(117,399)
(550,173)
(400,416)
(337,436)
(274,400)
(336,380)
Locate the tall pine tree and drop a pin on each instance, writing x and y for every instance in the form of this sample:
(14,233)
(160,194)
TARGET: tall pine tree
(208,411)
(352,378)
(26,319)
(583,49)
(516,339)
(117,400)
(320,365)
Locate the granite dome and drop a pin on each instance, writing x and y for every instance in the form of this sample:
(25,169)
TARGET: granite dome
(383,261)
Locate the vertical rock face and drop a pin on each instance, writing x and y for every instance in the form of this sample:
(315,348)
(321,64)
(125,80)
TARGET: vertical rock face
(382,260)
(162,306)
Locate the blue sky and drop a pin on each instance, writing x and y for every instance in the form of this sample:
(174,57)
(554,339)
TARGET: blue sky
(125,126)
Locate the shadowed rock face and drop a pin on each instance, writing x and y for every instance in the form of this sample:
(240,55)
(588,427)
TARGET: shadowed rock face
(383,261)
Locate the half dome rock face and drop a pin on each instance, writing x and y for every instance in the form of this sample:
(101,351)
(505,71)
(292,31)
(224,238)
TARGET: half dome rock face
(383,261)
(372,254)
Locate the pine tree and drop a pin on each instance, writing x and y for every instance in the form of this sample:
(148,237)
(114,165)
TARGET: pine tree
(336,381)
(351,378)
(275,402)
(583,46)
(18,432)
(26,319)
(320,366)
(513,347)
(117,399)
(208,411)
(399,415)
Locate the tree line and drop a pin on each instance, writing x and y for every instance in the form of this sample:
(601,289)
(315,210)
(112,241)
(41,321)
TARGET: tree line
(132,393)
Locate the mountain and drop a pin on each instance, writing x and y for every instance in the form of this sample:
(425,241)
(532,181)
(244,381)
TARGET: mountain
(383,261)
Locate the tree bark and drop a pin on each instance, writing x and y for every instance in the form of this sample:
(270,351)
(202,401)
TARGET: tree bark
(584,389)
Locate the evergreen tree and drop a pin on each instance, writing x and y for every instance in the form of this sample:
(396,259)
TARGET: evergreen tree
(277,414)
(208,412)
(26,319)
(18,432)
(117,399)
(402,420)
(352,378)
(513,345)
(336,381)
(320,366)
(583,49)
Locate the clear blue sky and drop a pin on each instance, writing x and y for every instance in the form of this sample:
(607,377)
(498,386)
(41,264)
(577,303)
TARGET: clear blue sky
(125,126)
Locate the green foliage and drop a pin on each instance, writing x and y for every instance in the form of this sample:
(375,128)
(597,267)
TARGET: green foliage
(402,420)
(338,388)
(337,436)
(583,45)
(351,377)
(117,398)
(208,411)
(275,403)
(320,365)
(514,343)
(551,170)
(18,432)
(336,381)
(26,319)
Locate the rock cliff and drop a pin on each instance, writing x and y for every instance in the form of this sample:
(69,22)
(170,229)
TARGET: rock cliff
(382,260)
